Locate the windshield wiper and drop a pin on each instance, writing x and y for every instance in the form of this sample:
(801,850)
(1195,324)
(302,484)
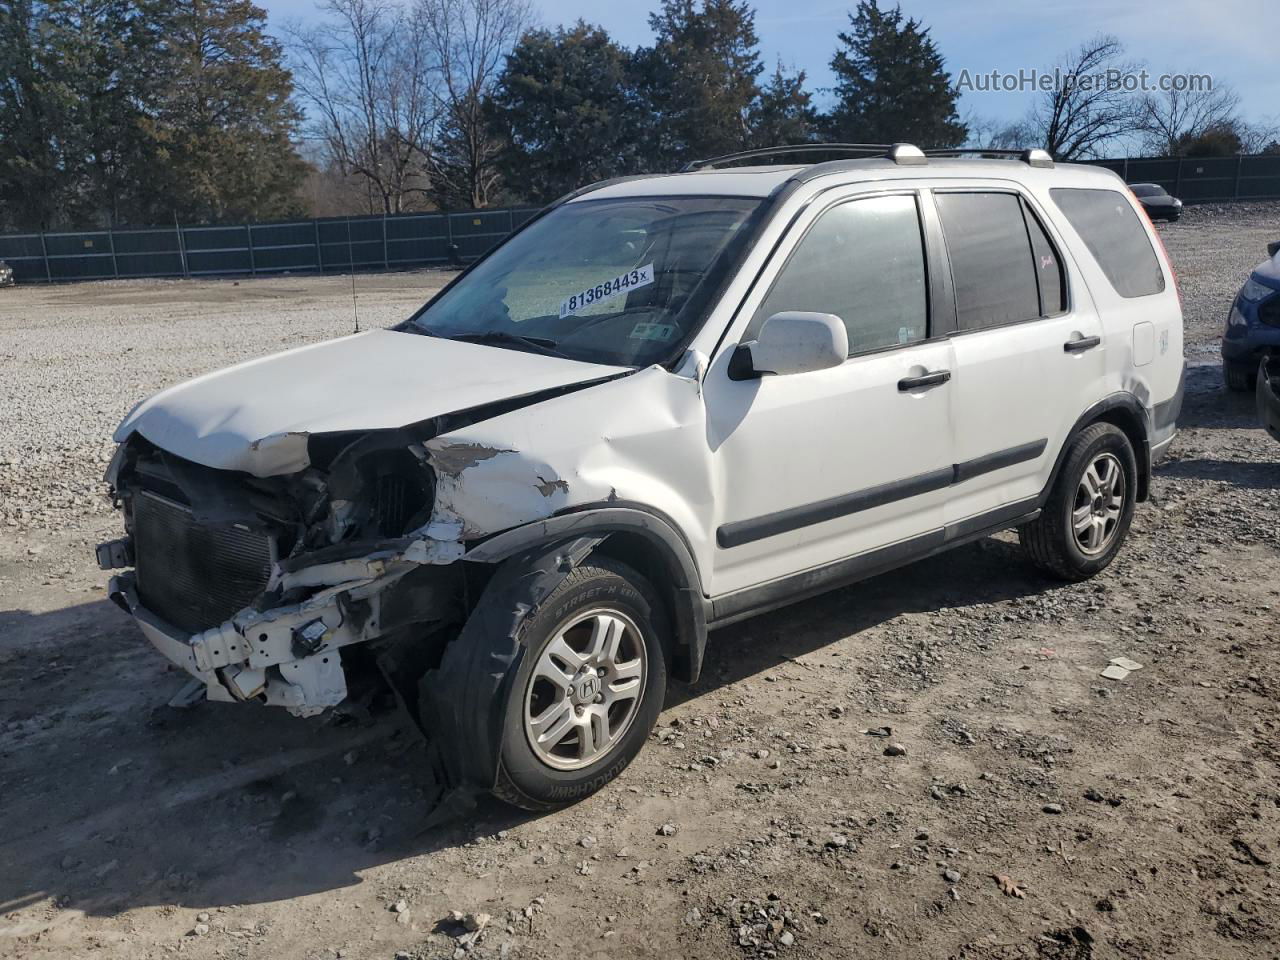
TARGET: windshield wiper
(542,345)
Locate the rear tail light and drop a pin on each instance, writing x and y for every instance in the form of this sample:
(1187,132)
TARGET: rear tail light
(1151,229)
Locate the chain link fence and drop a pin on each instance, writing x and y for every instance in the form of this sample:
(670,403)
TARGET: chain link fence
(333,244)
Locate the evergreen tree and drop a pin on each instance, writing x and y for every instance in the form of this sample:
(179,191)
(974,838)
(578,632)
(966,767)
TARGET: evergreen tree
(566,105)
(97,58)
(783,113)
(698,80)
(223,116)
(30,183)
(891,84)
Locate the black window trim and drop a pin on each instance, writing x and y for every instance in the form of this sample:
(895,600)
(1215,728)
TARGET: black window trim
(928,251)
(1026,204)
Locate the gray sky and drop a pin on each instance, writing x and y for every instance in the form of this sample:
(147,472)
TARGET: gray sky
(1232,40)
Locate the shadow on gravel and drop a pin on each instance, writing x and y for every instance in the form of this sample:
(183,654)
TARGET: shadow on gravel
(1256,476)
(113,800)
(984,572)
(1210,405)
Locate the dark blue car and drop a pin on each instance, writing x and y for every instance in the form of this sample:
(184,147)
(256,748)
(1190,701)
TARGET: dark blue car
(1253,325)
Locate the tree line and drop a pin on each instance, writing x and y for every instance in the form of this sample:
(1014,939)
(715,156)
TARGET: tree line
(146,111)
(140,111)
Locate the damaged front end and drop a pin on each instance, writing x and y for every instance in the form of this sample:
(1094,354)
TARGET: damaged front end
(253,584)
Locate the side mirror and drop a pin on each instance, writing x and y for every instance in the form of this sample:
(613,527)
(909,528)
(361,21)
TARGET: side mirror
(1273,248)
(792,342)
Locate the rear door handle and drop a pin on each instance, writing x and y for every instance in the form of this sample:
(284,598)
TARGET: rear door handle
(1084,343)
(931,379)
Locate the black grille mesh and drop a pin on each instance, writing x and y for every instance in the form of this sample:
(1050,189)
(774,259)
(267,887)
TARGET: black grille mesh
(191,575)
(1269,311)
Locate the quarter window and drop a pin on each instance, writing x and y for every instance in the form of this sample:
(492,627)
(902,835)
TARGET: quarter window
(1111,230)
(996,280)
(862,261)
(1053,291)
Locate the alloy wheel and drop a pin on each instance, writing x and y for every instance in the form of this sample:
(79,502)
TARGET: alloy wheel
(1099,504)
(585,689)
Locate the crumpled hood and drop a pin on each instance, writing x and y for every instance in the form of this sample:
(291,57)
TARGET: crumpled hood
(256,416)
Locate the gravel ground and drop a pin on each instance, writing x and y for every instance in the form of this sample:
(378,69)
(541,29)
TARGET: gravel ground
(1034,810)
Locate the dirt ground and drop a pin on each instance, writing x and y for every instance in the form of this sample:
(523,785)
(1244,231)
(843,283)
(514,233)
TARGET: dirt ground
(1136,818)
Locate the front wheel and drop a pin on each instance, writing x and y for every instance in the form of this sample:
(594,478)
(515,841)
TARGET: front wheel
(588,689)
(1087,517)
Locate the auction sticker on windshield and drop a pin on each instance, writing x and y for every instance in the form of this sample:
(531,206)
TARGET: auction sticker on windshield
(623,283)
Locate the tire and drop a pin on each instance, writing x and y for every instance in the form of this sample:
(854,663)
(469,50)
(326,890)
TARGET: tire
(601,592)
(1239,377)
(1051,540)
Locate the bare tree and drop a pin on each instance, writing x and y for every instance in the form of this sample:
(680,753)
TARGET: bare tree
(366,76)
(1085,111)
(1260,137)
(467,41)
(1169,118)
(987,133)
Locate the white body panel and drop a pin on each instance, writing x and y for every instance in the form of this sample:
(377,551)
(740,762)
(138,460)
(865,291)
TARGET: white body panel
(699,448)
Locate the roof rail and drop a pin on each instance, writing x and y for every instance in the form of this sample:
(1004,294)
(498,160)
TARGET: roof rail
(905,154)
(859,149)
(1034,157)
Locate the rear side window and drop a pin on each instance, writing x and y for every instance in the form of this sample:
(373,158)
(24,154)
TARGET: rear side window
(1114,235)
(991,260)
(864,262)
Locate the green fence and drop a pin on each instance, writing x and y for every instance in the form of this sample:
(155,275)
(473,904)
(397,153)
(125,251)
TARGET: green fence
(331,244)
(1205,179)
(416,240)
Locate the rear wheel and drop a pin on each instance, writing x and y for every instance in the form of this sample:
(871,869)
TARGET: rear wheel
(1087,517)
(1239,377)
(588,688)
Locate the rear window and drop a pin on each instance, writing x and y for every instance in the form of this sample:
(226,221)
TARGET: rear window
(1115,236)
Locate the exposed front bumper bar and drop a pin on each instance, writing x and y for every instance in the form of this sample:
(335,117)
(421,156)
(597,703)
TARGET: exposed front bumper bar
(284,657)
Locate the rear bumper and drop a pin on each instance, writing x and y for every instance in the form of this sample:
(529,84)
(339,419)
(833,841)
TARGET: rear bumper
(1164,418)
(1257,340)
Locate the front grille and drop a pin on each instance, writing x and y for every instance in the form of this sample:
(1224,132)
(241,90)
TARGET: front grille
(192,575)
(1269,311)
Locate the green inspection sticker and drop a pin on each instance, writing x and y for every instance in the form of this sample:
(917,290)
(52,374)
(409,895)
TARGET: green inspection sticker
(653,331)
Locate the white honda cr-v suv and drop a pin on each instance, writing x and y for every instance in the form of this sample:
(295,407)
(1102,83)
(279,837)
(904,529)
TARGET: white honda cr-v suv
(664,404)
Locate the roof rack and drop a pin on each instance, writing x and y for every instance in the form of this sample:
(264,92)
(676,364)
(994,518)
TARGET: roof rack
(1034,157)
(857,149)
(904,154)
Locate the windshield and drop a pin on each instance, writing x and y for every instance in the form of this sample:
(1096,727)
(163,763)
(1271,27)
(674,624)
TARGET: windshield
(1148,190)
(607,281)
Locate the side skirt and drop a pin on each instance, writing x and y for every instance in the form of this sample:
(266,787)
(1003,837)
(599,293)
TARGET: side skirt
(801,586)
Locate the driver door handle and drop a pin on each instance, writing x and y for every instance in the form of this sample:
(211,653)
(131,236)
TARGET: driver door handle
(932,379)
(1084,343)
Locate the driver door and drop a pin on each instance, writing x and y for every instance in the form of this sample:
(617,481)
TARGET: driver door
(824,465)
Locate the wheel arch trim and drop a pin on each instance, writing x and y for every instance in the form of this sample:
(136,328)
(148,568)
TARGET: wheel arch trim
(683,591)
(1126,411)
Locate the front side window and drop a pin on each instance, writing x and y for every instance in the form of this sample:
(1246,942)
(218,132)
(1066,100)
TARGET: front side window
(862,261)
(607,281)
(991,259)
